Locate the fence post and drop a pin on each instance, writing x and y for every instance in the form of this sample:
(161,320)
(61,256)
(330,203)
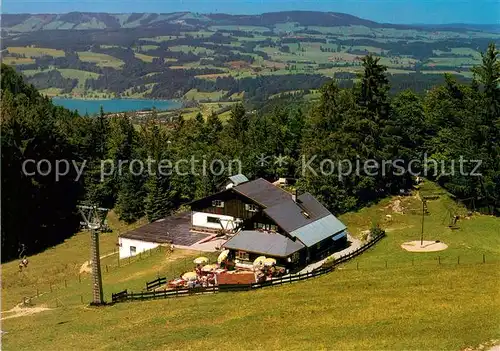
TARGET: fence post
(106,268)
(81,298)
(65,283)
(484,258)
(129,259)
(50,287)
(385,263)
(357,266)
(79,278)
(458,260)
(37,293)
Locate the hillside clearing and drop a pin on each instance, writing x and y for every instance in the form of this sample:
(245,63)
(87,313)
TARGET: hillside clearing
(385,299)
(102,60)
(35,52)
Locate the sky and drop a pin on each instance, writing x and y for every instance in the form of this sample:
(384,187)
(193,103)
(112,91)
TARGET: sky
(386,11)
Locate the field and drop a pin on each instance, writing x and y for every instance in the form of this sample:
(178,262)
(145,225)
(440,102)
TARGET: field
(194,94)
(144,58)
(102,60)
(14,61)
(35,52)
(385,299)
(68,73)
(250,51)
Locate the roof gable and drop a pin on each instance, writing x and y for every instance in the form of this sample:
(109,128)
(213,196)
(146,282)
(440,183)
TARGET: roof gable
(312,206)
(290,215)
(263,192)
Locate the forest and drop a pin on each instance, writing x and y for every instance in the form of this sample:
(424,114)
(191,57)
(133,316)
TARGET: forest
(362,121)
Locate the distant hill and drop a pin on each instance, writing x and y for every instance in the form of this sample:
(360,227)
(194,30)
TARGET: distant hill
(22,23)
(491,28)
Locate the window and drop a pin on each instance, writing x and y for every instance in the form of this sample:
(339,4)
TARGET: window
(242,255)
(213,220)
(251,208)
(295,256)
(266,226)
(133,249)
(217,203)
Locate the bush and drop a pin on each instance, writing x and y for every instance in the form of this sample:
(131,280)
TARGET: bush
(376,231)
(330,261)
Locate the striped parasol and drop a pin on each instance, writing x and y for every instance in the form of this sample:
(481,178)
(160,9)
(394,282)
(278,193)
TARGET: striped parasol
(200,260)
(259,261)
(190,276)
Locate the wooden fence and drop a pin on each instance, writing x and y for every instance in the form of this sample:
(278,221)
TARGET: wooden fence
(161,294)
(156,283)
(146,295)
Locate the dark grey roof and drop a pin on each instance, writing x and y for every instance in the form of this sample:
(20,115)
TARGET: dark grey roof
(173,229)
(263,192)
(238,179)
(289,214)
(318,230)
(312,206)
(265,243)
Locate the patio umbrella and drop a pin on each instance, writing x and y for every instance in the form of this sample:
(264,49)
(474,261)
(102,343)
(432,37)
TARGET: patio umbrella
(190,276)
(200,260)
(223,255)
(209,268)
(259,260)
(269,262)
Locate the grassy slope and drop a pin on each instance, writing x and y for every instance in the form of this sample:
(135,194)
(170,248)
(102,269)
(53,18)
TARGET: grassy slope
(35,52)
(424,305)
(101,60)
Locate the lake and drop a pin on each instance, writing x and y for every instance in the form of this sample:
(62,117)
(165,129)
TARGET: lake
(115,105)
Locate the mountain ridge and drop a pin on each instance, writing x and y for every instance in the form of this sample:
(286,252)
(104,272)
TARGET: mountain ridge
(23,23)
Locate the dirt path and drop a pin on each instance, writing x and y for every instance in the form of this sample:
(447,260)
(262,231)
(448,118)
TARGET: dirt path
(21,311)
(355,244)
(85,268)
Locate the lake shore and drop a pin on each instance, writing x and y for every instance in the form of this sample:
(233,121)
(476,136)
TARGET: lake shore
(93,106)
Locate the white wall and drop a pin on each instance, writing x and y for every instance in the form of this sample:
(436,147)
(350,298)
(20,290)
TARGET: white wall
(199,219)
(140,246)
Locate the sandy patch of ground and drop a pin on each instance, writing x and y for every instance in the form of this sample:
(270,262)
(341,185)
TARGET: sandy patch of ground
(427,246)
(396,206)
(22,311)
(491,345)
